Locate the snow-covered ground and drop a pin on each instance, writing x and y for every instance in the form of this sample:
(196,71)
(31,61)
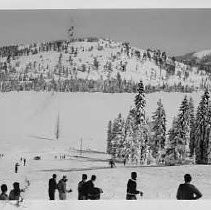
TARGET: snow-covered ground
(28,119)
(155,182)
(27,126)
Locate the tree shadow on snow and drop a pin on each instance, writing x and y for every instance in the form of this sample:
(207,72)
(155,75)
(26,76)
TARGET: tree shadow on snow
(43,138)
(75,169)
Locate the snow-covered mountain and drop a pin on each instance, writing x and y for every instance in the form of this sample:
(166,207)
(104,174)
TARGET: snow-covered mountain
(200,59)
(94,64)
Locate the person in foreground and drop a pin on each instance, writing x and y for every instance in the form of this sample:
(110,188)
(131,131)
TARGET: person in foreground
(81,190)
(90,191)
(52,187)
(4,195)
(15,193)
(131,188)
(188,191)
(62,188)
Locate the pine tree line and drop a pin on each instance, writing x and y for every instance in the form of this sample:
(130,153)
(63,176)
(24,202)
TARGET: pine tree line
(131,138)
(141,141)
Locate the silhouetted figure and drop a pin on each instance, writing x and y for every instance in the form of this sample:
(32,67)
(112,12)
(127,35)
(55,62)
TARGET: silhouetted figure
(92,192)
(124,161)
(52,186)
(131,188)
(16,167)
(15,193)
(24,161)
(111,163)
(81,188)
(188,191)
(62,188)
(4,195)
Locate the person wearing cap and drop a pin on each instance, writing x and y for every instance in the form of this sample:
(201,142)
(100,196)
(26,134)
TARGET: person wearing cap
(81,186)
(62,188)
(52,186)
(188,191)
(131,188)
(15,193)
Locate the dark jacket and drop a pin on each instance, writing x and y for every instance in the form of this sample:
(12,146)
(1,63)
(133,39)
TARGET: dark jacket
(81,190)
(52,184)
(131,190)
(4,196)
(131,187)
(188,192)
(15,194)
(92,192)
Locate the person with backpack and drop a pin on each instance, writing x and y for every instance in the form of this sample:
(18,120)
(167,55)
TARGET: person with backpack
(92,192)
(52,186)
(15,193)
(62,188)
(188,191)
(81,188)
(3,195)
(131,188)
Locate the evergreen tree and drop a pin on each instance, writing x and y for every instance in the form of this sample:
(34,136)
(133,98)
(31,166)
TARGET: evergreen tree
(183,129)
(192,127)
(140,104)
(201,129)
(117,136)
(159,129)
(171,151)
(109,137)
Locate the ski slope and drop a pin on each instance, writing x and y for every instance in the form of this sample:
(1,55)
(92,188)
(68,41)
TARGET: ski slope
(28,119)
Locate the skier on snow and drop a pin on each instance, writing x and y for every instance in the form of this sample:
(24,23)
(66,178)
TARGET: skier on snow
(16,167)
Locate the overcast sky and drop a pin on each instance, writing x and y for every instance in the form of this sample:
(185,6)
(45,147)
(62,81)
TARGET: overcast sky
(176,31)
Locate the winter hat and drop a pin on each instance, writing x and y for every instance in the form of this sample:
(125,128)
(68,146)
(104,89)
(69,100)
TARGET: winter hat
(134,175)
(84,176)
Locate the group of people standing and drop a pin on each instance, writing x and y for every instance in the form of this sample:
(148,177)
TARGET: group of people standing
(15,193)
(86,189)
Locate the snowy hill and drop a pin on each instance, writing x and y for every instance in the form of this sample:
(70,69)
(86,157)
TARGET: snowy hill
(94,65)
(200,60)
(202,54)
